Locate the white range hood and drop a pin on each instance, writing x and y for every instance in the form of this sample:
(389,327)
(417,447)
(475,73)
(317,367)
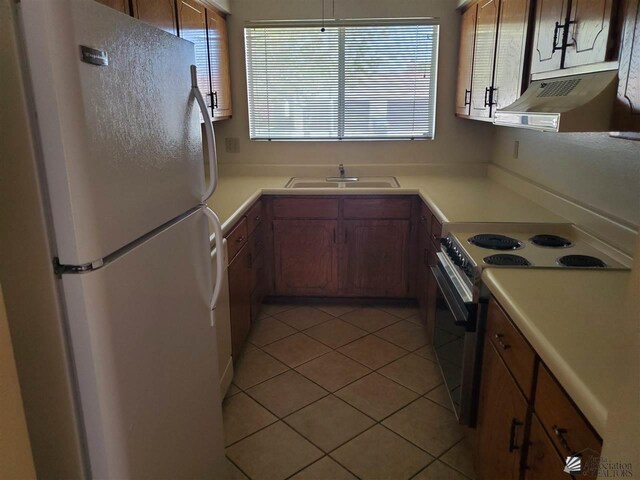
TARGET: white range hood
(576,103)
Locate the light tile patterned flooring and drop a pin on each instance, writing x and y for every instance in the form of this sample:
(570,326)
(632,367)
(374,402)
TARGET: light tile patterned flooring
(332,392)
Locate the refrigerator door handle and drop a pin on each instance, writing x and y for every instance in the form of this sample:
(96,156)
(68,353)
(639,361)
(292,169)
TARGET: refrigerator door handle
(211,138)
(217,230)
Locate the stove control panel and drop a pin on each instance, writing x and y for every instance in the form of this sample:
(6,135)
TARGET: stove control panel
(459,257)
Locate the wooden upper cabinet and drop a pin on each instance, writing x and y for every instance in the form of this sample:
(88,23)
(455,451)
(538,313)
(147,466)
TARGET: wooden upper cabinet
(589,39)
(544,56)
(192,24)
(376,257)
(306,259)
(501,421)
(219,64)
(159,13)
(120,5)
(483,58)
(627,112)
(465,60)
(510,51)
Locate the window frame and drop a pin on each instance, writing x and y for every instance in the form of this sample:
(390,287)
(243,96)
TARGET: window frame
(431,21)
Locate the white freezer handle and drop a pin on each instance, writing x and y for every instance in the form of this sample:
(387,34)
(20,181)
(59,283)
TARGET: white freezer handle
(217,230)
(211,138)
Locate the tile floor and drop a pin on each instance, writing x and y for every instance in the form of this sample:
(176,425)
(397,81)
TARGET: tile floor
(332,392)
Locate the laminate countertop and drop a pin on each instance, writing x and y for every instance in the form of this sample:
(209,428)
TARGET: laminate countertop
(452,198)
(583,328)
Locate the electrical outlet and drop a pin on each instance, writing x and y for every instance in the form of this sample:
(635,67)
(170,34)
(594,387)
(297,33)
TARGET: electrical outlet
(516,149)
(232,144)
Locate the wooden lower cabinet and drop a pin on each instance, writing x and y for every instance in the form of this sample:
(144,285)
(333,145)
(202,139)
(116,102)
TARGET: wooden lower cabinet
(375,258)
(543,461)
(305,257)
(501,423)
(239,271)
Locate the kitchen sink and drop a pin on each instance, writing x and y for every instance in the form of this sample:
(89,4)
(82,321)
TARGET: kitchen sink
(347,182)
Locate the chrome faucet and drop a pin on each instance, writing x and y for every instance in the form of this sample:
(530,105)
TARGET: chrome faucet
(342,177)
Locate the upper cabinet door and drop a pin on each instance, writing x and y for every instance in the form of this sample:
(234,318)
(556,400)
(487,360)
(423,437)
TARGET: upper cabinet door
(219,62)
(465,60)
(193,27)
(159,13)
(510,51)
(483,58)
(627,113)
(120,5)
(545,57)
(589,39)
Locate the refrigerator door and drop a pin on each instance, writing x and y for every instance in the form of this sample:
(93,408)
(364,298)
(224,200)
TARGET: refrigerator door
(146,360)
(121,142)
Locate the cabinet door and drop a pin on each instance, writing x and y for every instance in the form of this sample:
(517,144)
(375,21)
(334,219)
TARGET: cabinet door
(375,258)
(589,39)
(510,51)
(544,58)
(465,60)
(306,260)
(627,112)
(120,5)
(543,461)
(240,299)
(501,420)
(192,25)
(483,58)
(219,62)
(159,13)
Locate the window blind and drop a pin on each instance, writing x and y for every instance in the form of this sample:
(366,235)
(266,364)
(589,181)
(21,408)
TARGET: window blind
(348,82)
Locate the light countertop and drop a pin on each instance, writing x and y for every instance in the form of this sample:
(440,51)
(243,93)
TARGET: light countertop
(579,324)
(452,198)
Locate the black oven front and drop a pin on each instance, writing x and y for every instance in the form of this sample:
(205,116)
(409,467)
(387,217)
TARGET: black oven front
(457,338)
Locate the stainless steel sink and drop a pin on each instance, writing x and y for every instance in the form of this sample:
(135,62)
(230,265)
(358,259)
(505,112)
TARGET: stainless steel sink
(348,182)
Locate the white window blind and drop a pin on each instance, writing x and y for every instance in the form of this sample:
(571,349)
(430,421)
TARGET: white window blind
(348,82)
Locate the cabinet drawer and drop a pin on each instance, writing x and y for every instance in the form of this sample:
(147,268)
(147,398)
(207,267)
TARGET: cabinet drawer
(512,346)
(425,220)
(325,208)
(377,208)
(435,232)
(569,431)
(237,238)
(254,217)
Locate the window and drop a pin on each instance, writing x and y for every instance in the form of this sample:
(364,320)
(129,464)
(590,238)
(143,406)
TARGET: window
(352,81)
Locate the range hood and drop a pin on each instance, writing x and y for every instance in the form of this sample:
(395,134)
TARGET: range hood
(575,103)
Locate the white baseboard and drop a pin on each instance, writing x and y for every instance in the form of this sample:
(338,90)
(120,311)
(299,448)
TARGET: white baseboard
(615,233)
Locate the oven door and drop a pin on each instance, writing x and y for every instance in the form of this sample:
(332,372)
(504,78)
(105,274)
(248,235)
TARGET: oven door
(455,342)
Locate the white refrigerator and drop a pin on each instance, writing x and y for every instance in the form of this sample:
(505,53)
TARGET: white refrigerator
(117,131)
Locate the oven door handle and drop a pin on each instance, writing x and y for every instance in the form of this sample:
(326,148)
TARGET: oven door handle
(462,312)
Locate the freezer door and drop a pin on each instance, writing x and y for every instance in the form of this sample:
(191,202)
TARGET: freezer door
(121,142)
(145,355)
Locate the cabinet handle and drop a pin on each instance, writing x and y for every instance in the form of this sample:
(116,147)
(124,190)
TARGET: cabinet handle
(467,93)
(257,219)
(560,434)
(334,235)
(513,433)
(240,239)
(565,36)
(498,337)
(215,99)
(435,238)
(423,218)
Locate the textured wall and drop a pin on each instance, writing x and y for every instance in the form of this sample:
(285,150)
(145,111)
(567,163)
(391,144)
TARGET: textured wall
(456,140)
(593,169)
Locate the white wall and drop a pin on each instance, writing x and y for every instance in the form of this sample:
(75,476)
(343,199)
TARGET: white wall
(593,169)
(456,140)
